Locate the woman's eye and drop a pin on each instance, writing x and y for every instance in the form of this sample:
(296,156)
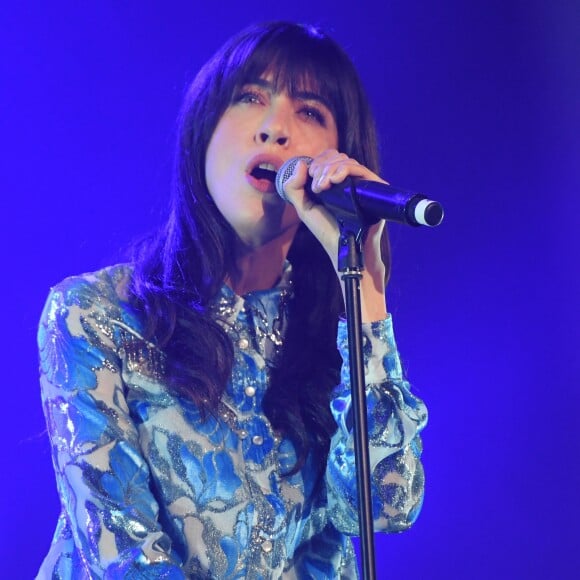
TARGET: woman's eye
(248,97)
(314,114)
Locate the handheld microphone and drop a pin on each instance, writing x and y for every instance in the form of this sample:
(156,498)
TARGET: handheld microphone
(368,200)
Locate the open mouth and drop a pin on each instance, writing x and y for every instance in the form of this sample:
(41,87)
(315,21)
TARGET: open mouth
(263,177)
(264,171)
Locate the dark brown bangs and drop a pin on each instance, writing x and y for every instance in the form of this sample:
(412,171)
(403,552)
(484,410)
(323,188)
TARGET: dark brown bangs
(303,66)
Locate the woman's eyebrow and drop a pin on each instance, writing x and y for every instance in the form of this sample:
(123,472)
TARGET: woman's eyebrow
(262,83)
(310,96)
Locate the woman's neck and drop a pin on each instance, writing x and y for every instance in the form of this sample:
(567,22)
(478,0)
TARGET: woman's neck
(260,267)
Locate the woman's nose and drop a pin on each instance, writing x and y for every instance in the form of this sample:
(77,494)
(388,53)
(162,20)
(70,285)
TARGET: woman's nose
(274,129)
(273,137)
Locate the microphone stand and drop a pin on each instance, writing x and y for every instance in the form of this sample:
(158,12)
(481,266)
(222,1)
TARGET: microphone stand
(350,263)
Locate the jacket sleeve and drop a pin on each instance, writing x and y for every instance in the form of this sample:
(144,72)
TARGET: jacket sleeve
(395,419)
(109,512)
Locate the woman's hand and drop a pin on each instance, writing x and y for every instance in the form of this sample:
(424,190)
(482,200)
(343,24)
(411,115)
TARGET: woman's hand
(327,169)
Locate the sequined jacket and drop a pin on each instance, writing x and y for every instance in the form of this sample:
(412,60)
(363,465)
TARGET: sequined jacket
(149,490)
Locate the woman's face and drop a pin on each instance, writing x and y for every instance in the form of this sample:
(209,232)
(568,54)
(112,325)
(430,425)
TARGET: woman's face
(258,132)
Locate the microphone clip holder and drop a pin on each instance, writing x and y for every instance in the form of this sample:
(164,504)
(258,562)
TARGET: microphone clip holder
(350,256)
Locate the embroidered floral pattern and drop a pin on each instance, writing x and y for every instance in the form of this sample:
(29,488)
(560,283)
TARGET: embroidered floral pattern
(150,490)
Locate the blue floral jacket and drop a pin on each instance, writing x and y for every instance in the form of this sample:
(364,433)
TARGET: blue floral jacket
(149,490)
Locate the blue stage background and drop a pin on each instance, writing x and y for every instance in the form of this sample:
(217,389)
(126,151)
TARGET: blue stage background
(477,104)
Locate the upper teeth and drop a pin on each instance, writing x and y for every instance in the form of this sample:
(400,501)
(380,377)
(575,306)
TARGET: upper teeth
(268,166)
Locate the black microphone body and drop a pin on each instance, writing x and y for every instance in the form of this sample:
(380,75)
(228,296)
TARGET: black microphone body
(368,201)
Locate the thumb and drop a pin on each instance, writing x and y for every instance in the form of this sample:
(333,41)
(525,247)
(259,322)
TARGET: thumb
(294,186)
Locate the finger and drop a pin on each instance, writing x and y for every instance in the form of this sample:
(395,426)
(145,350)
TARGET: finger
(331,170)
(324,175)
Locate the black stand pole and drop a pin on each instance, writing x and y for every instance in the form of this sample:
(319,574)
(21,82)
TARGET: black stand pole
(350,264)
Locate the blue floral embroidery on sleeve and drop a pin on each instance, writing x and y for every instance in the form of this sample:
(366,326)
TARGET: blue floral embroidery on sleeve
(126,479)
(66,360)
(80,424)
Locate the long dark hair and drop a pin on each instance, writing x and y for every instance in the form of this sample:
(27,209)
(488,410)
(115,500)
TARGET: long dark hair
(179,270)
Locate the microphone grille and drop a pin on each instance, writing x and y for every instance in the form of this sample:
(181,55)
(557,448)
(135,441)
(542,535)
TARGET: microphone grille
(286,171)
